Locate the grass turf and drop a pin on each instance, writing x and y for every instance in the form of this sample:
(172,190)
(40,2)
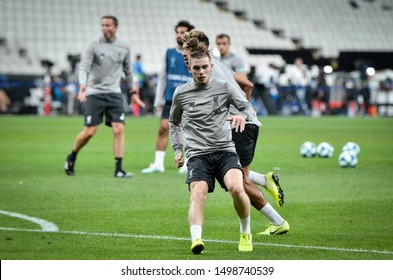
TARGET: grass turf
(334,213)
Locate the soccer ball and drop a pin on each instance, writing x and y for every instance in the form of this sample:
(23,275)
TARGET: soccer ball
(325,150)
(308,149)
(351,147)
(347,159)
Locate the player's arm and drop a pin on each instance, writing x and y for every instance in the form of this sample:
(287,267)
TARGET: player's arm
(133,87)
(85,66)
(159,99)
(175,131)
(243,105)
(245,84)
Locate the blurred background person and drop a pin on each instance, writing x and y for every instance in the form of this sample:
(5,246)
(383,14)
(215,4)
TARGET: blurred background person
(233,61)
(299,76)
(4,101)
(174,73)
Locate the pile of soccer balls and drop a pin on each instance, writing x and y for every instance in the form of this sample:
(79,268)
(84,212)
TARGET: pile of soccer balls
(347,158)
(349,155)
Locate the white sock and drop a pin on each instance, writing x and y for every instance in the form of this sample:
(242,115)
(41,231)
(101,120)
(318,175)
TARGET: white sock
(245,226)
(272,215)
(159,158)
(257,178)
(196,231)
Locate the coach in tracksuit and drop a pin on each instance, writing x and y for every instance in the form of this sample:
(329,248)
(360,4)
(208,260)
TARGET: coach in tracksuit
(101,69)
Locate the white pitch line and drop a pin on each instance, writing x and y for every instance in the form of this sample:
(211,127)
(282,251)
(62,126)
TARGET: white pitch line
(45,225)
(163,237)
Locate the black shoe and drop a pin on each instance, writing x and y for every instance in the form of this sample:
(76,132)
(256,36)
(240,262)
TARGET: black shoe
(122,174)
(69,166)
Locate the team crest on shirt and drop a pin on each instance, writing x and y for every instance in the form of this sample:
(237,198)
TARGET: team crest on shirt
(216,109)
(173,62)
(191,106)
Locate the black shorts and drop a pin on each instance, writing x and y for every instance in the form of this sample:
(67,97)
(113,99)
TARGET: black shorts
(246,143)
(210,167)
(166,110)
(109,104)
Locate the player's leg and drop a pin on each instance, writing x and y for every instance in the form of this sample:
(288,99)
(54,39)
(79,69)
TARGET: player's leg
(233,181)
(259,202)
(80,141)
(161,143)
(118,149)
(270,182)
(94,110)
(115,118)
(199,190)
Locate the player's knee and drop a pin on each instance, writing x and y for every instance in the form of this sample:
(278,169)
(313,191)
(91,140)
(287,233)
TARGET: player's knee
(89,132)
(118,129)
(163,131)
(236,190)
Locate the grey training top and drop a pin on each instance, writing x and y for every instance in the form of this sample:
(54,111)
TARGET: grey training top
(221,72)
(202,112)
(103,64)
(234,62)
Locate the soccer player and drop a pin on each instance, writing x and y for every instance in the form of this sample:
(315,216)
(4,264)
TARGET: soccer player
(203,104)
(246,143)
(99,80)
(173,74)
(228,58)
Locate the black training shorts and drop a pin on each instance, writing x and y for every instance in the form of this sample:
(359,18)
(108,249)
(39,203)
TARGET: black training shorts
(110,105)
(210,167)
(246,143)
(166,110)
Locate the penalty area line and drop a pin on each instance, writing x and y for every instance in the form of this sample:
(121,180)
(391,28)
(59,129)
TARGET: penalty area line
(163,237)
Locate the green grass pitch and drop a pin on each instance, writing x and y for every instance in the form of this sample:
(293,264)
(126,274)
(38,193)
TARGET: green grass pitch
(334,213)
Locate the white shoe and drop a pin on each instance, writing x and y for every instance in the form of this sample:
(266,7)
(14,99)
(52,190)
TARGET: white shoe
(153,168)
(183,169)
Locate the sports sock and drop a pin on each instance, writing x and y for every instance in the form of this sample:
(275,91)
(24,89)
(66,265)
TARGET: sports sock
(272,215)
(159,158)
(245,226)
(72,156)
(118,161)
(257,178)
(196,231)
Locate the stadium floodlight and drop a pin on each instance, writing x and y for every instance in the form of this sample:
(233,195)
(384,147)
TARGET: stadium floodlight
(216,52)
(370,71)
(328,69)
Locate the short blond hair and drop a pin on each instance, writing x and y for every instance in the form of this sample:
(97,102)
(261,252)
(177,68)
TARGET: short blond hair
(196,34)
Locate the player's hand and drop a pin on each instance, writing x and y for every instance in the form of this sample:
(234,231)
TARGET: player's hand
(238,122)
(136,99)
(82,93)
(82,96)
(179,160)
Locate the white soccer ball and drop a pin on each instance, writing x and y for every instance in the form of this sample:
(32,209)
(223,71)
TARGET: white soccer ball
(351,147)
(325,150)
(308,149)
(347,159)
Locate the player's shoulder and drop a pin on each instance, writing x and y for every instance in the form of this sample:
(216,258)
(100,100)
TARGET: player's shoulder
(218,83)
(95,41)
(173,51)
(121,43)
(189,86)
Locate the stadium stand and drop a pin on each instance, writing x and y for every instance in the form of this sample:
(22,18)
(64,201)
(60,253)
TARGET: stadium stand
(52,30)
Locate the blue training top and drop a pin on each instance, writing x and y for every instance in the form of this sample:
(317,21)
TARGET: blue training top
(177,72)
